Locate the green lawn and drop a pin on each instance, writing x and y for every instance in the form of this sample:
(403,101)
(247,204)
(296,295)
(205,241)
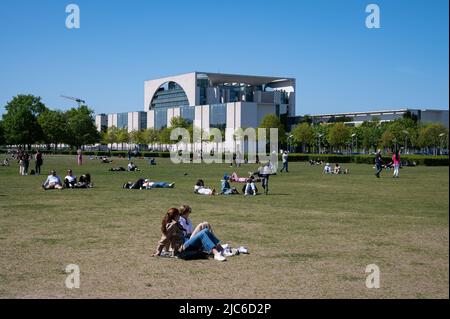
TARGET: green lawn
(311,237)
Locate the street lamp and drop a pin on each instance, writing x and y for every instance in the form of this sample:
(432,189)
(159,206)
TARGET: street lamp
(290,142)
(319,136)
(441,136)
(406,140)
(353,135)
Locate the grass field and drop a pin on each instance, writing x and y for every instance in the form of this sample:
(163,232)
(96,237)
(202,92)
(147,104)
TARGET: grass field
(311,237)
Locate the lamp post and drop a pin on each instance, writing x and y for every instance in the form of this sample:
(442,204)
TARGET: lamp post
(441,136)
(318,137)
(353,135)
(406,140)
(289,141)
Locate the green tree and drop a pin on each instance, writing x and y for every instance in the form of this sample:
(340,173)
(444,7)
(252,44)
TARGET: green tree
(138,137)
(81,129)
(320,137)
(369,133)
(432,135)
(123,136)
(53,124)
(164,136)
(2,134)
(338,135)
(20,123)
(178,121)
(151,136)
(303,134)
(271,121)
(110,136)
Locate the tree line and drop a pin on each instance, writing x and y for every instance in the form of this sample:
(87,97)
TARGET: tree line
(28,121)
(406,133)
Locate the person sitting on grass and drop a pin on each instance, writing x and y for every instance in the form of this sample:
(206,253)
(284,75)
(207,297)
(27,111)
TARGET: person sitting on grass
(53,181)
(199,188)
(132,167)
(186,223)
(84,181)
(5,162)
(250,188)
(189,232)
(173,237)
(327,168)
(70,180)
(226,188)
(337,169)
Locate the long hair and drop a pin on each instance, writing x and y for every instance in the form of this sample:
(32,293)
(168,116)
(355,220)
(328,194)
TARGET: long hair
(397,157)
(171,214)
(184,209)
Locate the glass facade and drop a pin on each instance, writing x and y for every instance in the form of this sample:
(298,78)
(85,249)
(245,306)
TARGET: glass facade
(160,118)
(218,116)
(169,95)
(188,113)
(142,120)
(122,120)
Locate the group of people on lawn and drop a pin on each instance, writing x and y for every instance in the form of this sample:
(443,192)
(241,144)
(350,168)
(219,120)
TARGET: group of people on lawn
(53,181)
(261,175)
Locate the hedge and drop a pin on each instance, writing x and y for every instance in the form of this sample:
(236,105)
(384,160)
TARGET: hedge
(440,160)
(370,159)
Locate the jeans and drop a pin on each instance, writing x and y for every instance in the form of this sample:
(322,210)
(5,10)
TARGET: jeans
(285,166)
(203,240)
(160,185)
(379,169)
(396,169)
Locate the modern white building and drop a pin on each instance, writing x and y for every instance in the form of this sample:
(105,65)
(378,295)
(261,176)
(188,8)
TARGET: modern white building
(209,100)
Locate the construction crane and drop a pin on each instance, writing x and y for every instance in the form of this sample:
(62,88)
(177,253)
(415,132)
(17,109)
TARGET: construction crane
(78,100)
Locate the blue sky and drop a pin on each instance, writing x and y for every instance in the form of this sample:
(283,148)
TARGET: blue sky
(339,64)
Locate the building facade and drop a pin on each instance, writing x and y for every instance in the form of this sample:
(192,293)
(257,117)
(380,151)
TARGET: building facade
(209,100)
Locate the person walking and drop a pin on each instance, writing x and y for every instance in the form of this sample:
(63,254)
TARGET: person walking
(284,159)
(26,163)
(39,161)
(79,157)
(378,163)
(396,162)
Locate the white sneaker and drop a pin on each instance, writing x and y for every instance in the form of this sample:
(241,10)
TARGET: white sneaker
(230,252)
(225,246)
(243,250)
(219,257)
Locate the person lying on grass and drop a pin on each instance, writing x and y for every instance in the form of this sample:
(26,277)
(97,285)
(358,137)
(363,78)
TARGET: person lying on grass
(144,183)
(226,188)
(173,236)
(117,169)
(236,179)
(53,181)
(199,188)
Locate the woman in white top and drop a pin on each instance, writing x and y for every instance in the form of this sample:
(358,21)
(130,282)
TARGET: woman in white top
(199,188)
(186,223)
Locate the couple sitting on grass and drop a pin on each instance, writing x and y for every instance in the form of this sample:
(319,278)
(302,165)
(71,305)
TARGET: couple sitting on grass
(336,170)
(144,183)
(226,188)
(179,239)
(53,181)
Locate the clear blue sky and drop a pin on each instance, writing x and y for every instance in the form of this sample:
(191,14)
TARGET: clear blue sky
(339,64)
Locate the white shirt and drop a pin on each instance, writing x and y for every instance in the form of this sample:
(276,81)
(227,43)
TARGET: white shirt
(187,225)
(70,178)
